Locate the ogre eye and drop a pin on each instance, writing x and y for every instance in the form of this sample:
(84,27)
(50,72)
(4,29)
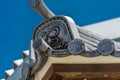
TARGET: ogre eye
(54,32)
(44,36)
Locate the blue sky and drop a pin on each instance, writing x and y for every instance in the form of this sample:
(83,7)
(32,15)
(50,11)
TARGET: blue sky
(18,20)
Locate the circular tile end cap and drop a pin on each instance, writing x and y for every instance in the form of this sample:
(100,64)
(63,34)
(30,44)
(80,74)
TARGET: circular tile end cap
(76,46)
(106,47)
(37,43)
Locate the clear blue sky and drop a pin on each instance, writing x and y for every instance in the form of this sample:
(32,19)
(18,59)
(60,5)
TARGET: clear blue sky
(18,20)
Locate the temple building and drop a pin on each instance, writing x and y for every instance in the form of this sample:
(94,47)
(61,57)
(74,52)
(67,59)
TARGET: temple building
(62,50)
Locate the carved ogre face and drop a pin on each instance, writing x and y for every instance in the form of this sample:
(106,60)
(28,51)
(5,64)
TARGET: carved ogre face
(51,36)
(55,32)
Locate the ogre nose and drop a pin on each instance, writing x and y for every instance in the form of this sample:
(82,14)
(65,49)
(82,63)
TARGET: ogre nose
(49,40)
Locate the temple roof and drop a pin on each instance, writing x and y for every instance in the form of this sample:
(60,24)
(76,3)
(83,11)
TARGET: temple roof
(109,28)
(96,28)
